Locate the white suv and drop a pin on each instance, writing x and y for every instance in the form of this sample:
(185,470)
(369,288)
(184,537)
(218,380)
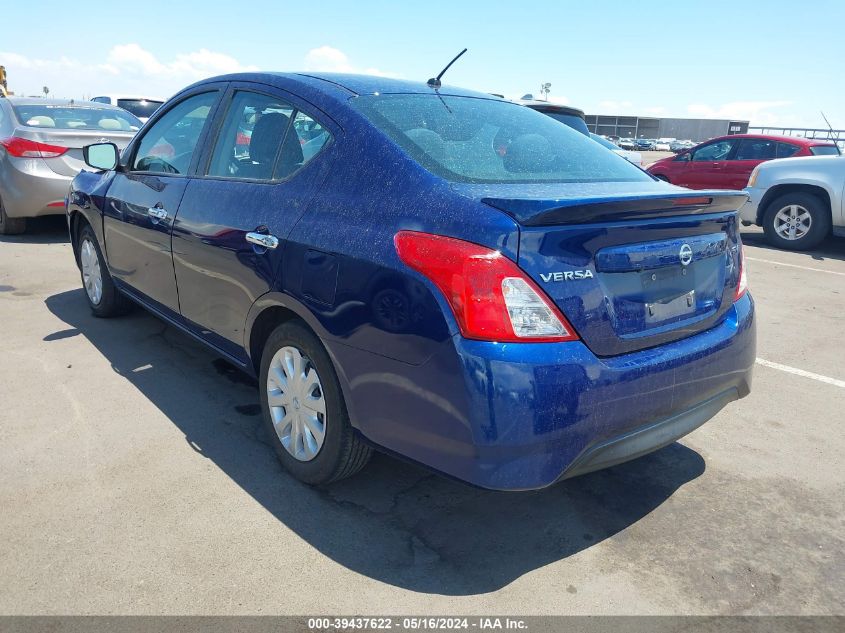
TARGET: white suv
(797,201)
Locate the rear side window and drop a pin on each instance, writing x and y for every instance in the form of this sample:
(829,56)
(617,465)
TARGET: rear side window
(785,150)
(756,149)
(67,117)
(466,139)
(168,146)
(824,150)
(264,138)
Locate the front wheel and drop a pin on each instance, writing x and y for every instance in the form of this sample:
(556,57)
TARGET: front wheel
(796,221)
(303,408)
(104,298)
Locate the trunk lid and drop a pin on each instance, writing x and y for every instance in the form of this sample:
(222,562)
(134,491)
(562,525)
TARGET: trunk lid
(628,270)
(71,162)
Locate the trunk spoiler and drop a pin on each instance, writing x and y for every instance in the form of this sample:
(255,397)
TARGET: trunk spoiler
(540,212)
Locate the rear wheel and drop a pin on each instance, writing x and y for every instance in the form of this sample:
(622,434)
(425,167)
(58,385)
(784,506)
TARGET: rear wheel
(104,298)
(10,226)
(796,221)
(303,408)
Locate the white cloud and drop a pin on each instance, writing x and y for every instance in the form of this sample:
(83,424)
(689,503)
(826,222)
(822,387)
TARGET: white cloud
(758,112)
(128,68)
(655,110)
(326,59)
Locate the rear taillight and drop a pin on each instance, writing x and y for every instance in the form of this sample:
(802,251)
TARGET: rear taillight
(25,148)
(491,297)
(742,284)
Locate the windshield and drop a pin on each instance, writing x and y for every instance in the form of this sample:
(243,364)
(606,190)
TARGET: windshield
(465,139)
(67,117)
(141,108)
(824,150)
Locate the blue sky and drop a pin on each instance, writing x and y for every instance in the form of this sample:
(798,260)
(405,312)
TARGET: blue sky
(774,62)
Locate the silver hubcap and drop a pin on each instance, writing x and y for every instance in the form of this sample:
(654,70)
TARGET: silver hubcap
(297,404)
(91,275)
(793,222)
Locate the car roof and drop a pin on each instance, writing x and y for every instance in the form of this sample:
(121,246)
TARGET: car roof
(351,84)
(114,95)
(795,140)
(73,103)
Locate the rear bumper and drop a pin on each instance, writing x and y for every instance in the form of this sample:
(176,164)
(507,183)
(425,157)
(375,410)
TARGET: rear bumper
(523,416)
(28,187)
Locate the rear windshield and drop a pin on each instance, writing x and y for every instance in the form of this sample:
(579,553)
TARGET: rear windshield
(63,117)
(824,150)
(141,108)
(465,139)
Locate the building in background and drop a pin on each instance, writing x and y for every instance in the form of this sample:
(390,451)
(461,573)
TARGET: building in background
(655,127)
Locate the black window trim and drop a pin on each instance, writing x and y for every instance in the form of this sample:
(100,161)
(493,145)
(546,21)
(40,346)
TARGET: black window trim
(204,163)
(218,88)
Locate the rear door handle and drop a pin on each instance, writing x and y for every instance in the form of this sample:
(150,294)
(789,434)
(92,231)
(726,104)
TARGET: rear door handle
(157,213)
(261,239)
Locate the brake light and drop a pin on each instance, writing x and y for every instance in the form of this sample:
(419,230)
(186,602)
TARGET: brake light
(491,297)
(25,148)
(742,284)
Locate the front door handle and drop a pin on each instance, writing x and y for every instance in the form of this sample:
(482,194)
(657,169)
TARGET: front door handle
(261,239)
(157,213)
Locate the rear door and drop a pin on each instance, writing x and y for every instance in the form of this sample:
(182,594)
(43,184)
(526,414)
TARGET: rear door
(145,194)
(709,167)
(254,182)
(750,152)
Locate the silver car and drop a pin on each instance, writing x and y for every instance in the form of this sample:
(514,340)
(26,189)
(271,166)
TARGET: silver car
(41,143)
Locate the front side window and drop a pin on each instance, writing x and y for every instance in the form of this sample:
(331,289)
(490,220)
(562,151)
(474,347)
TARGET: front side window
(169,145)
(719,150)
(69,117)
(756,149)
(466,139)
(264,138)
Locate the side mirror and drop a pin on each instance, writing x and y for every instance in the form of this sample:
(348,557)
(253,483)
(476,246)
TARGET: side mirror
(686,156)
(101,155)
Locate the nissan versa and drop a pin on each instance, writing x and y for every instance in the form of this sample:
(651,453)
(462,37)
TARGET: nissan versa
(440,274)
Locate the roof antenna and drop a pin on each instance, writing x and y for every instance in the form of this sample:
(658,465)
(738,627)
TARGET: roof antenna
(434,82)
(833,135)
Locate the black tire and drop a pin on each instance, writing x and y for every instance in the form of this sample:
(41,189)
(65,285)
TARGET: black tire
(819,221)
(10,226)
(342,453)
(112,303)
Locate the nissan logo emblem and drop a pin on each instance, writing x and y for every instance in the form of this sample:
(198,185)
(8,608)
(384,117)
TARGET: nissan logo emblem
(685,255)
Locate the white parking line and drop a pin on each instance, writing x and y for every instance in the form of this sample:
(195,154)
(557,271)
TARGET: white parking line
(800,372)
(771,261)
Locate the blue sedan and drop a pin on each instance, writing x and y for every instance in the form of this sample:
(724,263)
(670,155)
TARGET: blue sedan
(431,272)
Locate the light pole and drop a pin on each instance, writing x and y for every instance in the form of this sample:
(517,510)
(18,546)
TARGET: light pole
(544,90)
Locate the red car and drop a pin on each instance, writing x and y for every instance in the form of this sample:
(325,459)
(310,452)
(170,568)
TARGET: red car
(726,162)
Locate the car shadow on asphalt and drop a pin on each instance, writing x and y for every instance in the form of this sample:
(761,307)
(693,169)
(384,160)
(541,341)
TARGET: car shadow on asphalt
(832,248)
(394,522)
(50,229)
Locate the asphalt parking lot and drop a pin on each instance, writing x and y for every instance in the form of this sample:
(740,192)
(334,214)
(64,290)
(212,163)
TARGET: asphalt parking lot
(135,479)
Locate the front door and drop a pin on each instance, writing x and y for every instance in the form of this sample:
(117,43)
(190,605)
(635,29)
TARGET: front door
(144,196)
(253,184)
(710,167)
